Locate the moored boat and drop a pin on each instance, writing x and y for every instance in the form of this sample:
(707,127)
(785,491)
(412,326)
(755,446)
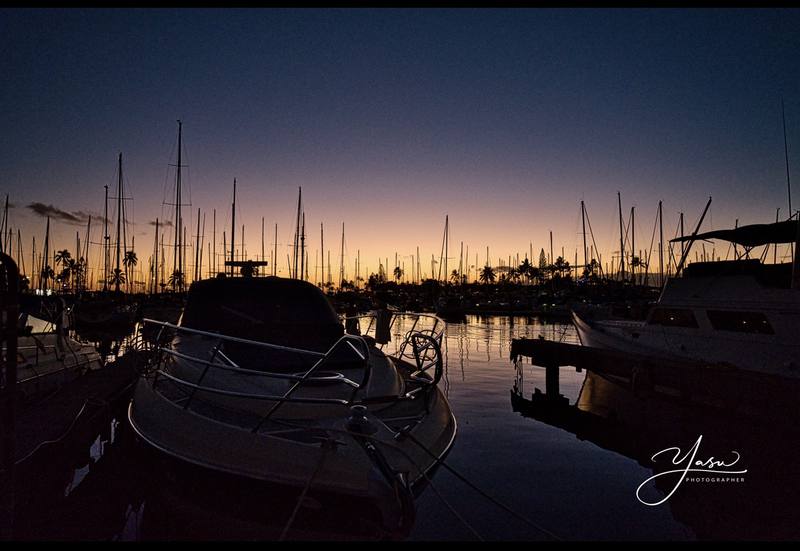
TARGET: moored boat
(742,313)
(259,381)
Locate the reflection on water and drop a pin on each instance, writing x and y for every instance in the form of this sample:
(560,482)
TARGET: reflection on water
(573,474)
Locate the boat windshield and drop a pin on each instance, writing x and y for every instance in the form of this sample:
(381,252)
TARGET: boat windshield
(276,310)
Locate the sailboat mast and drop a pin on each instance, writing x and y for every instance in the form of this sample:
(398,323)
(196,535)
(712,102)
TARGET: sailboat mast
(197,249)
(660,245)
(303,248)
(583,223)
(119,224)
(202,242)
(322,249)
(461,265)
(275,252)
(633,245)
(46,253)
(446,244)
(86,255)
(3,226)
(233,224)
(177,258)
(155,262)
(341,260)
(297,233)
(621,241)
(105,243)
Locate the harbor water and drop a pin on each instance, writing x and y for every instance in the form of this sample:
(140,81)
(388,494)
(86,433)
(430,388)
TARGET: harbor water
(529,479)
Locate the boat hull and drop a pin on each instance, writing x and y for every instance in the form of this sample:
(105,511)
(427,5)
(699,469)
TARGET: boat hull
(289,458)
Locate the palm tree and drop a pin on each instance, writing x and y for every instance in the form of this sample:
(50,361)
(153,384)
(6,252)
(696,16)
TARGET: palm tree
(454,276)
(398,273)
(176,280)
(536,274)
(487,275)
(62,257)
(129,260)
(560,266)
(525,269)
(117,278)
(63,278)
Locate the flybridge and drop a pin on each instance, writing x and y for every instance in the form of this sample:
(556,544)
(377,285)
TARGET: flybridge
(248,268)
(753,235)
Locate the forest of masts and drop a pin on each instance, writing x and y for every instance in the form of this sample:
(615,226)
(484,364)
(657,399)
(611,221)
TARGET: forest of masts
(111,263)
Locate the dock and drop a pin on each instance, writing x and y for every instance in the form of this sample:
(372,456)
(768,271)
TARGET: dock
(737,391)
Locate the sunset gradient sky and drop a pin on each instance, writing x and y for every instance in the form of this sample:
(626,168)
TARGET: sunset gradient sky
(504,119)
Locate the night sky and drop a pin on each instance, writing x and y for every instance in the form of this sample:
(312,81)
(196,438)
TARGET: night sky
(391,119)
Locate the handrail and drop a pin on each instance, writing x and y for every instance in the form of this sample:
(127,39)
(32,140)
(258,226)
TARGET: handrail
(268,374)
(231,339)
(425,351)
(253,396)
(362,351)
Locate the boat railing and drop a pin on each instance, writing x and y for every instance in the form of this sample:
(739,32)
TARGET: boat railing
(421,343)
(220,361)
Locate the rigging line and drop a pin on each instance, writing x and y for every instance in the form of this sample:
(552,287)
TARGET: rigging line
(481,492)
(596,250)
(402,452)
(301,498)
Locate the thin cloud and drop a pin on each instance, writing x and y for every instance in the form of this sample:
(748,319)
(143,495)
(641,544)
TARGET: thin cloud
(160,223)
(77,217)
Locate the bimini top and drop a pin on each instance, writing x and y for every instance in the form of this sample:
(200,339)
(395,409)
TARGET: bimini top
(277,310)
(752,235)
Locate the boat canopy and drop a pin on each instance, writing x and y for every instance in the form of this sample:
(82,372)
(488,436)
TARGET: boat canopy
(276,310)
(752,235)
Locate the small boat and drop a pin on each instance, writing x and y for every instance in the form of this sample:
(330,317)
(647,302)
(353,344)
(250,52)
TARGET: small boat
(259,382)
(740,313)
(48,357)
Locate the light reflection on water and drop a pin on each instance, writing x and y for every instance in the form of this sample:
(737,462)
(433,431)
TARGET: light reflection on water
(572,488)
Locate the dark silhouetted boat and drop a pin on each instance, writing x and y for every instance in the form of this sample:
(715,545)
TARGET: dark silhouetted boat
(259,382)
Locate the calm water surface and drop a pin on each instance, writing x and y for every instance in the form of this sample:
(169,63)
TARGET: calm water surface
(569,485)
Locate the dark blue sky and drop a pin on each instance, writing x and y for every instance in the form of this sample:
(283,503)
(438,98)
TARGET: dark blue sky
(389,119)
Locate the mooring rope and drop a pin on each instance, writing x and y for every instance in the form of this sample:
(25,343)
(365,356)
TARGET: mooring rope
(481,492)
(323,455)
(410,460)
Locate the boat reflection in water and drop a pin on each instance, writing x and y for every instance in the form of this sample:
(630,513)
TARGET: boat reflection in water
(259,395)
(727,504)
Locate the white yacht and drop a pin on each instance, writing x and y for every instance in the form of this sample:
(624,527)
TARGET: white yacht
(259,382)
(740,313)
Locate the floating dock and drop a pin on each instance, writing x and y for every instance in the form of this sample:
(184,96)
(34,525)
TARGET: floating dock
(738,391)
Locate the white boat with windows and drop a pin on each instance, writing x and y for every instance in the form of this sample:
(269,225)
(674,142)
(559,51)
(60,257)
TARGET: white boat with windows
(48,357)
(260,381)
(742,313)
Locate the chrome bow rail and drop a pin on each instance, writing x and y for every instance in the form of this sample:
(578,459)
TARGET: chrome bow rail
(162,353)
(424,350)
(424,338)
